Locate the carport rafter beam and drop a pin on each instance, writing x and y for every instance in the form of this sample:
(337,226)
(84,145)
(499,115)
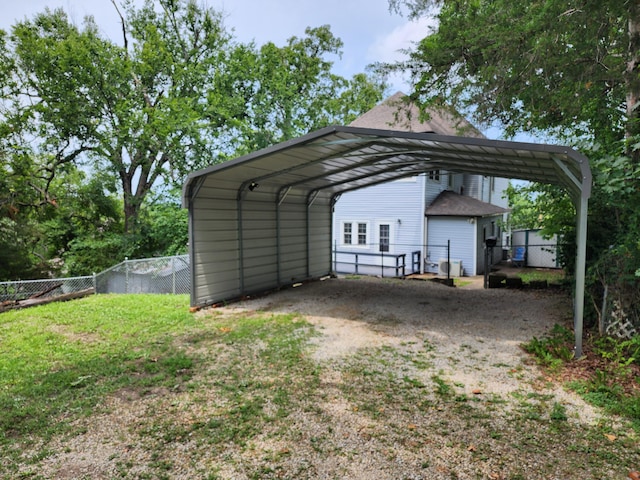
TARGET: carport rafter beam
(340,170)
(515,174)
(577,184)
(392,167)
(389,178)
(384,180)
(449,156)
(298,166)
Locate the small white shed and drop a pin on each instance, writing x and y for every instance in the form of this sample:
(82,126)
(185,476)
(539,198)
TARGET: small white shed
(539,251)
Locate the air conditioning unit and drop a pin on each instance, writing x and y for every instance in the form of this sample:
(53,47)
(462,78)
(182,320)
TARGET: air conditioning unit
(452,267)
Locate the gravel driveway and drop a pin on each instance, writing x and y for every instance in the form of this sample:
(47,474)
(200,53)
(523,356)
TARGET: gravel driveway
(474,332)
(496,401)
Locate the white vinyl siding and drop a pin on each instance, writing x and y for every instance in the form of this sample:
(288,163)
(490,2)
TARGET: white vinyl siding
(460,232)
(397,204)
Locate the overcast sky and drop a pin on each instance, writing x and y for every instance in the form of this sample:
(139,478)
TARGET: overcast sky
(370,32)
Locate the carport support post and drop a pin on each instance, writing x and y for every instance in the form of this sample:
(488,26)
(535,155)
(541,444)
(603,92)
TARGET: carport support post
(581,257)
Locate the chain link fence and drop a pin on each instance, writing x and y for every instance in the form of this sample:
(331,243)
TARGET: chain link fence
(150,275)
(22,290)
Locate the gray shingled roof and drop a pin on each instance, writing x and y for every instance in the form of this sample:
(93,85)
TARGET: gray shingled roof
(451,204)
(399,114)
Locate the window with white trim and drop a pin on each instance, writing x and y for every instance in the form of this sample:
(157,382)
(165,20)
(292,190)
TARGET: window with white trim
(362,233)
(384,237)
(355,233)
(347,232)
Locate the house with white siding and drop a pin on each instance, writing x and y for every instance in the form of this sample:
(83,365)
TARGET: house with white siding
(436,221)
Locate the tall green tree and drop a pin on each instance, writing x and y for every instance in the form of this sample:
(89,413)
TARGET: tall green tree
(135,109)
(176,93)
(292,90)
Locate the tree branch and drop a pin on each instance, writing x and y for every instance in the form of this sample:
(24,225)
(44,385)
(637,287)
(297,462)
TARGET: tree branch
(124,28)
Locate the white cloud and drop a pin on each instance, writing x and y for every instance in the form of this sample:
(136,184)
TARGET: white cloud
(388,48)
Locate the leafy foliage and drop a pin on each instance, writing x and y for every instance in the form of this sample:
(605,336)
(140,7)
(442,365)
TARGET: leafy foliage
(531,66)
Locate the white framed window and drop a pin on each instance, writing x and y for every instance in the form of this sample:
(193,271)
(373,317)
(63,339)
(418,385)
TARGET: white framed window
(355,233)
(362,234)
(347,233)
(384,237)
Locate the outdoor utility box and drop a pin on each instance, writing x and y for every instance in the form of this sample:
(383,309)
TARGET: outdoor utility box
(490,242)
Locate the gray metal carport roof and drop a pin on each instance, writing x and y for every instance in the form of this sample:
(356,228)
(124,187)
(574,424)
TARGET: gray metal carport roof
(337,159)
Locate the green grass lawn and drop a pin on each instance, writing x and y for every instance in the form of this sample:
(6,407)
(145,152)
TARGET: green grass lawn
(549,275)
(59,360)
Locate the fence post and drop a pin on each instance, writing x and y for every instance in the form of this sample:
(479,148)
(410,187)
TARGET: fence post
(95,283)
(173,276)
(126,274)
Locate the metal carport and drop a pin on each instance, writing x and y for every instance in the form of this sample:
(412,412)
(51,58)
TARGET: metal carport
(263,221)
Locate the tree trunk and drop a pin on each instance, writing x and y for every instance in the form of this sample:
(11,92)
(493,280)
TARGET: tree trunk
(131,211)
(632,80)
(131,203)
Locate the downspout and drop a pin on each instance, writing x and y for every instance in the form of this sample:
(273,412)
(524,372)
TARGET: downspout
(476,248)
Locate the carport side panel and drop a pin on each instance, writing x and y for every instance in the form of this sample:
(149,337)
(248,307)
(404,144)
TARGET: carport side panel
(214,250)
(320,239)
(259,266)
(304,238)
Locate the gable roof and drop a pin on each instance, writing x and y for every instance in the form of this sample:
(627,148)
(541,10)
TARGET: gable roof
(452,204)
(400,114)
